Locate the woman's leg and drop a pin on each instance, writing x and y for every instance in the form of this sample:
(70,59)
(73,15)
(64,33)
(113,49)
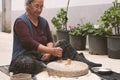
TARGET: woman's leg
(26,64)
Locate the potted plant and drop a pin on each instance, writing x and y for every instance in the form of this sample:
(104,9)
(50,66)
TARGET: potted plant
(111,18)
(78,35)
(60,23)
(97,39)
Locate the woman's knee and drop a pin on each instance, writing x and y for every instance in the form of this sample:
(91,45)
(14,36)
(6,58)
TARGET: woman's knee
(23,64)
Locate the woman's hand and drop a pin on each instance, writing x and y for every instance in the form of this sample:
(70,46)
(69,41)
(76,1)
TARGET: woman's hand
(57,52)
(45,57)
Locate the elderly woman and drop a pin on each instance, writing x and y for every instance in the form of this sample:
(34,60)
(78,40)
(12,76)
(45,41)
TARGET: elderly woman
(32,33)
(33,43)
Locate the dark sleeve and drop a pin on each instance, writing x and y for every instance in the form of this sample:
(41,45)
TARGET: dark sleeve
(49,35)
(23,33)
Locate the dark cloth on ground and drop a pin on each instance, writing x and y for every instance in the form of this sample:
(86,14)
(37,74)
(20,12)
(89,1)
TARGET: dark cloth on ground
(108,76)
(71,53)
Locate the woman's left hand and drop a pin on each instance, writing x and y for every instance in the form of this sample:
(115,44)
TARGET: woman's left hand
(46,57)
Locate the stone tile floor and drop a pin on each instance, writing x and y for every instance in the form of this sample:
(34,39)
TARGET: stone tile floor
(5,57)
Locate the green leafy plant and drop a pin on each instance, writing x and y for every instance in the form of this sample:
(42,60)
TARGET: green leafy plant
(89,28)
(80,29)
(111,17)
(99,30)
(60,20)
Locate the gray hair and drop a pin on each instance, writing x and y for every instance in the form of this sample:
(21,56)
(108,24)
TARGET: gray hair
(28,1)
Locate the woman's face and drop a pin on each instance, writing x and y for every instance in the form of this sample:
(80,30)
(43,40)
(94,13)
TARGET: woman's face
(35,8)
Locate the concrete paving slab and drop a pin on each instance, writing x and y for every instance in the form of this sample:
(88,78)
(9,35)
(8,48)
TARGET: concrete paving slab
(5,48)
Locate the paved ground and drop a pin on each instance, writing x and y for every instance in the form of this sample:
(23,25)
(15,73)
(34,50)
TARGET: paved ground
(5,57)
(5,48)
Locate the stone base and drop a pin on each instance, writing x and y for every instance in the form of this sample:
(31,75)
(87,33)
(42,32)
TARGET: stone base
(21,76)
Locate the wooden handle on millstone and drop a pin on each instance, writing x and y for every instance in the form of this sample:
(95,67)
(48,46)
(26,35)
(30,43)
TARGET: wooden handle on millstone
(68,62)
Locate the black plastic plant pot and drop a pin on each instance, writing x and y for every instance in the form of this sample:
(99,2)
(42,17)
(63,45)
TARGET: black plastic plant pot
(63,35)
(78,42)
(113,46)
(97,45)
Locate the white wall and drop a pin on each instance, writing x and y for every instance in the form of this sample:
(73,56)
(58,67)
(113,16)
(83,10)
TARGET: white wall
(89,13)
(19,4)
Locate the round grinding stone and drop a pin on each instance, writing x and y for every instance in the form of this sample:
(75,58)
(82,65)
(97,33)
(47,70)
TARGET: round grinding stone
(63,69)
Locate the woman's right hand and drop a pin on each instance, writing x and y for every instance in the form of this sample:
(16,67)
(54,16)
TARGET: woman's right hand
(57,52)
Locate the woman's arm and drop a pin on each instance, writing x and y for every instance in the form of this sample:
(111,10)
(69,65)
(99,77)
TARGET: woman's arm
(47,56)
(57,51)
